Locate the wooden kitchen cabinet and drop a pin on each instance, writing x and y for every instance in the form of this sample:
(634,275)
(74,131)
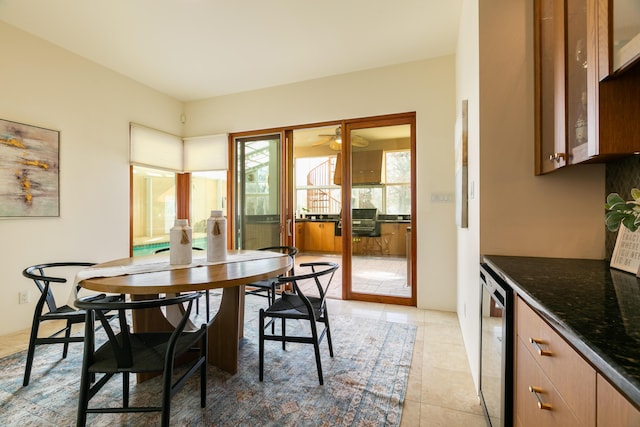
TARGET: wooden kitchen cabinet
(581,114)
(618,36)
(393,237)
(554,385)
(366,167)
(319,237)
(299,236)
(613,408)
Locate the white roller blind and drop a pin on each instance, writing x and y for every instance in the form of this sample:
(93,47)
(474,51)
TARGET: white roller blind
(154,148)
(206,153)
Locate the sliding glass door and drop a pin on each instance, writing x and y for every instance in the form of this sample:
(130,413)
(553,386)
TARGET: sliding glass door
(338,191)
(381,210)
(259,191)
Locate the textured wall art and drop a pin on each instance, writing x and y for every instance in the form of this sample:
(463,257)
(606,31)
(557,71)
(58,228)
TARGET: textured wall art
(29,173)
(462,165)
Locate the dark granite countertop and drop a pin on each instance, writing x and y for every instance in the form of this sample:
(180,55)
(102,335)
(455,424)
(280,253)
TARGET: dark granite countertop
(595,308)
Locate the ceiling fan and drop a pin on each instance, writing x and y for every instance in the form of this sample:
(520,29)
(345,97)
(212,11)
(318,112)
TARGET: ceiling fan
(335,140)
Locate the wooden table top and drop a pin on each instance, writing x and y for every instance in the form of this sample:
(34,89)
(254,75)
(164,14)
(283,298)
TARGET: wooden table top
(224,275)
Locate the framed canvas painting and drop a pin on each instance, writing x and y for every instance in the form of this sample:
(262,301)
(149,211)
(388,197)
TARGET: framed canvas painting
(29,173)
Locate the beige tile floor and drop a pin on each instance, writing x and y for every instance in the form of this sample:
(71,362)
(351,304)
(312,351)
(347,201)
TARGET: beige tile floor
(440,391)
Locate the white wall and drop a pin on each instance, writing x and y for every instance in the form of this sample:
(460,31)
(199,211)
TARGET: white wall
(556,215)
(92,106)
(468,87)
(426,87)
(43,85)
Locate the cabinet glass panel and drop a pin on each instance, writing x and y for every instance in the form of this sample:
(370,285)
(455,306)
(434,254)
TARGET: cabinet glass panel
(577,120)
(626,32)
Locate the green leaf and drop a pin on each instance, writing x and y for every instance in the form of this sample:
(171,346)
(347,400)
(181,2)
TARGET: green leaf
(629,222)
(635,193)
(613,220)
(613,200)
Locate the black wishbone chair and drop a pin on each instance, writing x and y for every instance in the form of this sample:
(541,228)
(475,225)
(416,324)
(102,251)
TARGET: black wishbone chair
(127,352)
(297,305)
(267,287)
(206,294)
(42,276)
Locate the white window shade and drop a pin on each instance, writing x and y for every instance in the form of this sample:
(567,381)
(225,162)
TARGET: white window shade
(150,147)
(206,153)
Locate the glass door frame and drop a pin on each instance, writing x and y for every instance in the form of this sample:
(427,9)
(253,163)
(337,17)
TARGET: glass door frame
(287,207)
(347,242)
(285,210)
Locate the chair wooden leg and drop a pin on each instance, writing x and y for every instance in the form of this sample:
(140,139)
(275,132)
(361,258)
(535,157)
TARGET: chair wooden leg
(326,322)
(207,304)
(85,377)
(271,301)
(284,332)
(166,393)
(67,335)
(203,369)
(31,352)
(125,389)
(316,349)
(261,343)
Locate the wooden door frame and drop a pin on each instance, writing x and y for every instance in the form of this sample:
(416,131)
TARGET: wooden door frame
(287,208)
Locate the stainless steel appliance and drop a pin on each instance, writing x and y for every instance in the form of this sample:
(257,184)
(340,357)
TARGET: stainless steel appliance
(496,348)
(364,222)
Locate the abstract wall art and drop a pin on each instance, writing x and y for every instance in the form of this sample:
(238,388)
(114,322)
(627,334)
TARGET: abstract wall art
(29,172)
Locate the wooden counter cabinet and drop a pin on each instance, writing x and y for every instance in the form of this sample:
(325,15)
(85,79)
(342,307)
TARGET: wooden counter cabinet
(613,408)
(554,385)
(319,237)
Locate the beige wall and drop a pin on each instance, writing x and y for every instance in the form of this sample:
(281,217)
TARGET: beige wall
(91,106)
(49,87)
(426,87)
(515,212)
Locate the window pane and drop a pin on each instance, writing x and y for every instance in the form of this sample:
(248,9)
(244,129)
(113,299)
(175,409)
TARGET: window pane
(154,208)
(398,167)
(366,198)
(208,192)
(398,199)
(315,190)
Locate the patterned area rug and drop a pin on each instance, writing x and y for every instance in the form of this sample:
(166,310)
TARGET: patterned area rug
(365,383)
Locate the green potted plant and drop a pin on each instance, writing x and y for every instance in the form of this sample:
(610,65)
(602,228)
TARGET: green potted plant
(623,212)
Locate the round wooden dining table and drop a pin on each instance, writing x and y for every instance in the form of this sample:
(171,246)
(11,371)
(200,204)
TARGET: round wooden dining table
(226,328)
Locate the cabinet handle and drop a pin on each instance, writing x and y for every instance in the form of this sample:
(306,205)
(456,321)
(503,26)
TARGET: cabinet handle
(537,391)
(556,157)
(540,350)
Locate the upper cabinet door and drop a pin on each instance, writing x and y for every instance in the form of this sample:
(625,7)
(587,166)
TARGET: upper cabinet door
(619,35)
(550,85)
(581,116)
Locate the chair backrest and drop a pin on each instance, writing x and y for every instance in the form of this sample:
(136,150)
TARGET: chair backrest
(324,270)
(102,305)
(39,273)
(292,251)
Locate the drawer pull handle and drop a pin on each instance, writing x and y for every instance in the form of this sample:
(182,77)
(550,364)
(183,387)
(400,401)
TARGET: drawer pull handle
(540,350)
(537,391)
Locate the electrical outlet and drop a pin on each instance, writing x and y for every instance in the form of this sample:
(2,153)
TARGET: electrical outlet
(23,297)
